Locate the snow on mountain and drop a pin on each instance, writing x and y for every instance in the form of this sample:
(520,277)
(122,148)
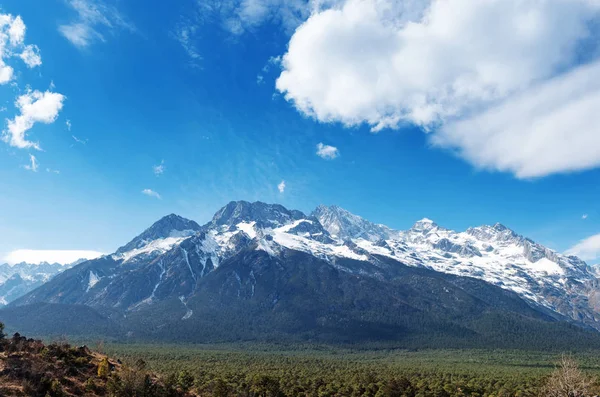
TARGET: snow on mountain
(169,227)
(170,257)
(159,238)
(17,280)
(494,254)
(345,225)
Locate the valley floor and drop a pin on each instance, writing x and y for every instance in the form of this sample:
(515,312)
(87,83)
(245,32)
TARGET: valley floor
(238,369)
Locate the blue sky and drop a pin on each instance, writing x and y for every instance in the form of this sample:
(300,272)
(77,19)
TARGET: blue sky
(231,100)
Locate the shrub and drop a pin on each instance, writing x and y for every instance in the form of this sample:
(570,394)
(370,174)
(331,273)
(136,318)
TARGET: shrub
(566,381)
(103,368)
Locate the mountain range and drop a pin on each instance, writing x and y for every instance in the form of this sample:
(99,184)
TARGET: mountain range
(261,271)
(18,279)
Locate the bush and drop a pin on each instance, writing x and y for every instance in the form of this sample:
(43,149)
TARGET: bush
(103,368)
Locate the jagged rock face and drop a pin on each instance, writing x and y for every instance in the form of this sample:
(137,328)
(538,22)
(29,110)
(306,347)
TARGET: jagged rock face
(265,215)
(174,258)
(345,225)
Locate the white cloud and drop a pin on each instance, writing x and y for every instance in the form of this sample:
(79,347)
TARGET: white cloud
(584,216)
(33,166)
(93,19)
(551,128)
(327,152)
(31,56)
(51,256)
(587,249)
(51,171)
(159,169)
(34,107)
(68,124)
(16,31)
(12,44)
(151,193)
(452,63)
(281,187)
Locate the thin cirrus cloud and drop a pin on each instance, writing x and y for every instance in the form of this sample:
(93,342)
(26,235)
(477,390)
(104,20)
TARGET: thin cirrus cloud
(586,249)
(93,21)
(584,216)
(159,169)
(241,16)
(79,140)
(238,17)
(33,164)
(327,152)
(450,67)
(151,193)
(185,34)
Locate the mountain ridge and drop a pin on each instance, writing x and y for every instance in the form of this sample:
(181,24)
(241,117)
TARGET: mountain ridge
(225,261)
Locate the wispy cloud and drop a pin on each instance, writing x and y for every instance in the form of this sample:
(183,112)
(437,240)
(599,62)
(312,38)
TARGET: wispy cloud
(151,193)
(272,62)
(31,56)
(34,107)
(63,257)
(68,124)
(586,249)
(243,15)
(93,21)
(51,171)
(78,140)
(33,164)
(159,169)
(584,216)
(281,187)
(186,36)
(327,152)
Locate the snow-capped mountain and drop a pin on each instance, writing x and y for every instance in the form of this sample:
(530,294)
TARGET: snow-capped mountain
(21,278)
(345,225)
(269,257)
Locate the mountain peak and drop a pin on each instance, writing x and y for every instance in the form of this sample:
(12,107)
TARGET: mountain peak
(346,225)
(424,225)
(171,225)
(500,227)
(268,215)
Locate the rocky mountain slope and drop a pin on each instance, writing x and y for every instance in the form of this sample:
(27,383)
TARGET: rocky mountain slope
(257,269)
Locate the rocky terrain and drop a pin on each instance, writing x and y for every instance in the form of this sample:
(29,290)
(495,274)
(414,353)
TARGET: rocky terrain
(31,368)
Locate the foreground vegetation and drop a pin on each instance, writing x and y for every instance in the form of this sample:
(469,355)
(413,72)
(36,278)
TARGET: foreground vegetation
(29,367)
(267,370)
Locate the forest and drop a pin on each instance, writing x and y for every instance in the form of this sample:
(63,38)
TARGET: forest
(275,370)
(59,368)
